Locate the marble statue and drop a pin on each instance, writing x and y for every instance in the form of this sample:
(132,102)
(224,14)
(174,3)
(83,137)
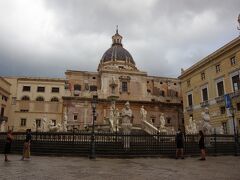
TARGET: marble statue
(126,124)
(44,125)
(143,114)
(191,128)
(114,117)
(162,122)
(3,126)
(34,126)
(206,127)
(221,130)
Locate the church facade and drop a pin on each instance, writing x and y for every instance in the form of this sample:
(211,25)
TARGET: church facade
(118,77)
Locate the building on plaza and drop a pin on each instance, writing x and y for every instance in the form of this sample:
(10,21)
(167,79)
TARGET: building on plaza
(117,75)
(205,83)
(4,100)
(35,99)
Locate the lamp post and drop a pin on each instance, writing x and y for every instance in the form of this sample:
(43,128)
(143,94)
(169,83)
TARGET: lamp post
(232,111)
(94,117)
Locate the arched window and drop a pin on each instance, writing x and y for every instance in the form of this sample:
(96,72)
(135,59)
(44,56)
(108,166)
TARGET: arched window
(54,99)
(25,98)
(39,98)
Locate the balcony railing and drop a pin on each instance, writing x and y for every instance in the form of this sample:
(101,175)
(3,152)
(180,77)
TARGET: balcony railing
(219,99)
(235,94)
(204,103)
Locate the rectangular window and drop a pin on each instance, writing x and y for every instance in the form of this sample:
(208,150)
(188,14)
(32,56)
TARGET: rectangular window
(77,87)
(188,83)
(38,123)
(190,102)
(5,98)
(233,60)
(168,120)
(75,117)
(2,111)
(40,89)
(55,89)
(26,88)
(222,110)
(203,75)
(238,106)
(162,93)
(93,88)
(220,88)
(124,87)
(54,122)
(23,122)
(204,94)
(218,69)
(235,83)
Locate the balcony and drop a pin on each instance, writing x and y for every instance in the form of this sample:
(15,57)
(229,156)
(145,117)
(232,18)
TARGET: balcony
(204,104)
(235,94)
(189,108)
(219,99)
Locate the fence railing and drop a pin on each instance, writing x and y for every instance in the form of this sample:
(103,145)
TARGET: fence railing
(79,143)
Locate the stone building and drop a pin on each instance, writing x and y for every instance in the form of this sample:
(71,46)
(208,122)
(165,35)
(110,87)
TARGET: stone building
(35,99)
(205,83)
(4,101)
(118,76)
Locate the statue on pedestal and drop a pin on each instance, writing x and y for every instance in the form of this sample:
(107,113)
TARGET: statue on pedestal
(44,125)
(162,123)
(191,128)
(114,117)
(206,127)
(126,124)
(143,114)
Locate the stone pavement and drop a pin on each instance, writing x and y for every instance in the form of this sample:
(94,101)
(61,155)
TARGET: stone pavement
(51,168)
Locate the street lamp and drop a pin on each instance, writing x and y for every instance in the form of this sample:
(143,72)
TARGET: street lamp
(94,117)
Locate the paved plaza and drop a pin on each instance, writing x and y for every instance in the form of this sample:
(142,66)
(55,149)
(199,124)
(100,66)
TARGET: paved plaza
(44,167)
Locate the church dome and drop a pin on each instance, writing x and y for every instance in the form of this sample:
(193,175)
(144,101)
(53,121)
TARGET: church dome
(117,57)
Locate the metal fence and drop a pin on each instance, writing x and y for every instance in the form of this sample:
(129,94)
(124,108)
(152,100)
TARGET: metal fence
(113,144)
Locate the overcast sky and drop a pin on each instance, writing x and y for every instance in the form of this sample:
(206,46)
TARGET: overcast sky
(46,38)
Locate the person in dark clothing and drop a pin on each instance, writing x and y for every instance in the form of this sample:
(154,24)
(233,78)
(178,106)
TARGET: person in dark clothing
(201,144)
(26,145)
(179,143)
(8,144)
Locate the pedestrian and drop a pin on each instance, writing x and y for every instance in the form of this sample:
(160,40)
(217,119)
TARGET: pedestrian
(7,148)
(179,143)
(201,144)
(26,145)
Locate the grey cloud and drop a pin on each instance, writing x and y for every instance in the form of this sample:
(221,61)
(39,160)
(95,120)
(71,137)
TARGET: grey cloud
(162,36)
